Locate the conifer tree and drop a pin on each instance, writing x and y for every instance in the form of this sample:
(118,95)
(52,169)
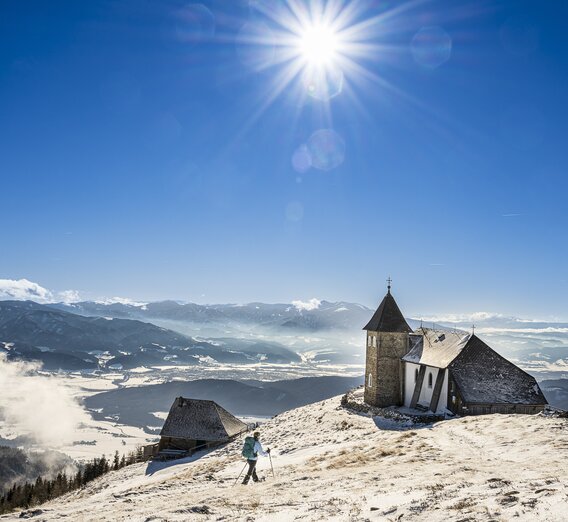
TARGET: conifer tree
(116,461)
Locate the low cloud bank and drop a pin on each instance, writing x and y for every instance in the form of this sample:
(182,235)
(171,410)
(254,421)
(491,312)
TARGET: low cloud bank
(23,289)
(312,304)
(37,406)
(120,300)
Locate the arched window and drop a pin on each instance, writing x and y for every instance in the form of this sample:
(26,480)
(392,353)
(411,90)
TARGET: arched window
(374,341)
(370,380)
(430,380)
(369,340)
(416,375)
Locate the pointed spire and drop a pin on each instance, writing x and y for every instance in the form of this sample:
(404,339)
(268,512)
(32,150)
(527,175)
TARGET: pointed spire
(388,317)
(389,283)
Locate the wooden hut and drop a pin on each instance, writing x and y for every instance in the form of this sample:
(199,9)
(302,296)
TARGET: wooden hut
(195,424)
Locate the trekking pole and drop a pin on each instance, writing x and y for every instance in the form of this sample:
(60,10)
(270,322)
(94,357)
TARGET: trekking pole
(240,473)
(271,466)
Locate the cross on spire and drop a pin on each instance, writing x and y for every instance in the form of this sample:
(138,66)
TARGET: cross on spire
(389,282)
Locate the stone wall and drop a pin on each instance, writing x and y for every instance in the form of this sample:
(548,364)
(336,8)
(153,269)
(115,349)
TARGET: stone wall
(352,401)
(384,364)
(370,368)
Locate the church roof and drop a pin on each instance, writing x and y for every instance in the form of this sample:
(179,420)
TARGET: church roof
(388,318)
(437,348)
(200,420)
(481,374)
(484,377)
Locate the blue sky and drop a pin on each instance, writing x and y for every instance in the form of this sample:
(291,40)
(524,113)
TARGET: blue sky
(139,157)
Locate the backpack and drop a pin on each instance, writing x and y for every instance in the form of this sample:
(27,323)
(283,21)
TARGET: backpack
(248,448)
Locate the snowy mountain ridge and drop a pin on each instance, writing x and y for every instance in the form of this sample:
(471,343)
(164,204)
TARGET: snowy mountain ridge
(309,315)
(333,464)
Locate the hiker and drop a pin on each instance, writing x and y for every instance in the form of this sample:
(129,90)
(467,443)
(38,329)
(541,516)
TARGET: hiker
(251,449)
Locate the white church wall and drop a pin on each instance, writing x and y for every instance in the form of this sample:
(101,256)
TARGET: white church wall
(409,381)
(427,391)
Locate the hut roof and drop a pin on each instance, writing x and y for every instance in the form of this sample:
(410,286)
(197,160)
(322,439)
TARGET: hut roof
(200,420)
(484,377)
(436,348)
(388,318)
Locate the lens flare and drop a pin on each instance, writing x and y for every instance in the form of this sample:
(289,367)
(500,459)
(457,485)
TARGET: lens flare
(431,47)
(194,24)
(301,159)
(327,149)
(323,84)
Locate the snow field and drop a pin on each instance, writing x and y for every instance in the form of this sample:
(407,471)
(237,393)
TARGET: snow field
(333,464)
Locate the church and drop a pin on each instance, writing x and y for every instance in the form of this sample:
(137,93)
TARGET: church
(441,371)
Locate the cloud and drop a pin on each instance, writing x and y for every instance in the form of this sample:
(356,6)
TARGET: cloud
(544,330)
(312,304)
(37,406)
(464,318)
(120,300)
(69,296)
(23,290)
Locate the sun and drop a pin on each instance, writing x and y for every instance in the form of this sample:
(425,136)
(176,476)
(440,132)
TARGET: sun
(317,48)
(318,45)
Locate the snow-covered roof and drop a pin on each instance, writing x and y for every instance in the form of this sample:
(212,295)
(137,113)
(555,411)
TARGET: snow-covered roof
(481,374)
(484,377)
(437,348)
(200,420)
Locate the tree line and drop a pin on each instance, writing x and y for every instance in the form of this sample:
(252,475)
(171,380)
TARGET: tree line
(29,494)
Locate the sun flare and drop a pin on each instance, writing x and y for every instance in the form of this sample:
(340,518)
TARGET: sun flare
(318,45)
(318,48)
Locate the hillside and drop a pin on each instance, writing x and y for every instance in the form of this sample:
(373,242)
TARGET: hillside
(17,465)
(556,392)
(134,406)
(332,464)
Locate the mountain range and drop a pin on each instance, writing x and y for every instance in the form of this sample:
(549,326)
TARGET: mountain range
(319,315)
(68,341)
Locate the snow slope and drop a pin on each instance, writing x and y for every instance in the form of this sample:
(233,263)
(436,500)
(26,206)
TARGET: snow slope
(332,464)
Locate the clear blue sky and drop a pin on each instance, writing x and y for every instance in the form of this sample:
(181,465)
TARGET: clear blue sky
(138,158)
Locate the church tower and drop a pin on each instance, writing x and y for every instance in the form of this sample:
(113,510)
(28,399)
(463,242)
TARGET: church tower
(387,343)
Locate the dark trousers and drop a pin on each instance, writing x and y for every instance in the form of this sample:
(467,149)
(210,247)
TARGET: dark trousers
(251,472)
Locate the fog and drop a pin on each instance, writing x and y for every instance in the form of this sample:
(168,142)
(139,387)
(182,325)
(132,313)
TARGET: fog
(37,406)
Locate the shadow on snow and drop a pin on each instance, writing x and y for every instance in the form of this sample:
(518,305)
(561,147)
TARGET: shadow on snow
(158,465)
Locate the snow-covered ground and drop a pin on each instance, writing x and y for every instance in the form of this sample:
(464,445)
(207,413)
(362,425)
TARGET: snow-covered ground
(332,464)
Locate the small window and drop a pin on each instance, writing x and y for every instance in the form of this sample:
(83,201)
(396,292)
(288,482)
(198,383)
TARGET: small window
(370,380)
(416,375)
(430,380)
(369,340)
(374,341)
